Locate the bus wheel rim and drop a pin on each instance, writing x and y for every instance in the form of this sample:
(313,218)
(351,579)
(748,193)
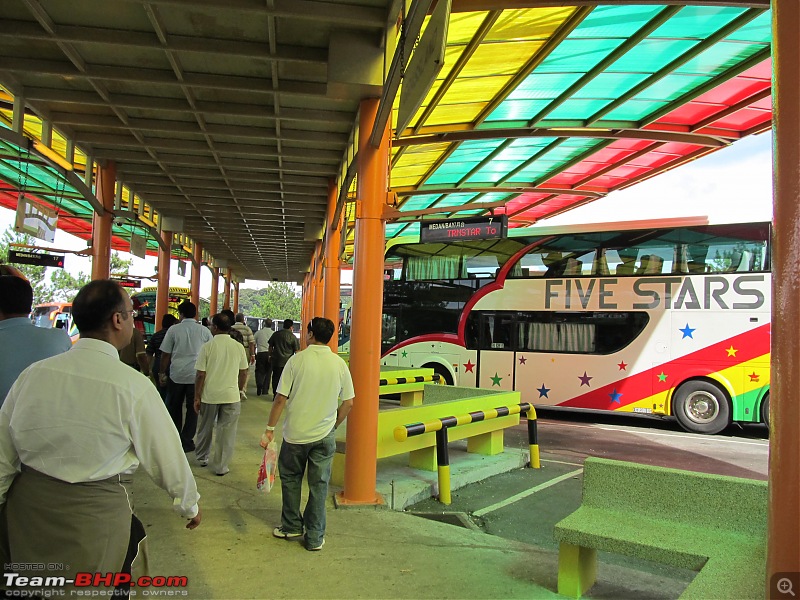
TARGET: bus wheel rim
(702,407)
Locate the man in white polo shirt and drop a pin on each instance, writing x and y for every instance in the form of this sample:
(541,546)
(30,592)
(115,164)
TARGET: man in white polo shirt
(179,350)
(311,385)
(221,375)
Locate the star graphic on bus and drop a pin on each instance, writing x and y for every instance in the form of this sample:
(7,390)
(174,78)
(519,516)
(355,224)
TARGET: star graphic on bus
(662,376)
(404,354)
(731,351)
(585,379)
(615,396)
(543,392)
(468,366)
(522,360)
(687,331)
(754,377)
(496,379)
(622,366)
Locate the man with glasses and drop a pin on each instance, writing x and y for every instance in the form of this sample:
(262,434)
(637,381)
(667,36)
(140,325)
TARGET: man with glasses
(179,352)
(73,430)
(310,388)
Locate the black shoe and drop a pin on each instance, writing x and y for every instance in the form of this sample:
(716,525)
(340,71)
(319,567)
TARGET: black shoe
(258,391)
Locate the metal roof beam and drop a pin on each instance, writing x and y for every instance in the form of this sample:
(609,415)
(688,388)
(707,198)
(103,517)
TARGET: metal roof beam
(460,6)
(495,189)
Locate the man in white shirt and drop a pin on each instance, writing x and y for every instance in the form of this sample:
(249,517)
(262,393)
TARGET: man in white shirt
(179,349)
(263,367)
(221,374)
(311,385)
(73,430)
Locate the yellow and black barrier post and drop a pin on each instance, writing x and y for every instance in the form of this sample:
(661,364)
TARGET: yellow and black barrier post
(436,378)
(440,426)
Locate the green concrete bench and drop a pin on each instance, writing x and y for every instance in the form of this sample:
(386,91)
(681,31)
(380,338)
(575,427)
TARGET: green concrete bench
(708,523)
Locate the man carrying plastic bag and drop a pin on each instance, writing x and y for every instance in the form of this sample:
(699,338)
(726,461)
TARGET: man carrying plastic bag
(310,387)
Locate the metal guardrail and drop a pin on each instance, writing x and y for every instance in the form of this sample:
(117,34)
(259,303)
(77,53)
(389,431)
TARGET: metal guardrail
(440,426)
(402,380)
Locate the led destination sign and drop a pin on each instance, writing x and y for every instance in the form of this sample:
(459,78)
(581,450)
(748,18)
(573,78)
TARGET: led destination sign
(128,283)
(34,258)
(472,228)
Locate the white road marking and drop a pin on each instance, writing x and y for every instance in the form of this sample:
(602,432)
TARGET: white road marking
(526,493)
(695,437)
(561,462)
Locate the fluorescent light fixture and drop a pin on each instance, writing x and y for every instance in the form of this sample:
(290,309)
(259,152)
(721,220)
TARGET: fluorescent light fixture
(52,156)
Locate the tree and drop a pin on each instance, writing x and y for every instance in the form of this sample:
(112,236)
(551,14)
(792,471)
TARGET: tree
(64,286)
(34,274)
(279,301)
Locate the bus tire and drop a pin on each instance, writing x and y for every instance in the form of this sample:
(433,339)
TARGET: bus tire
(441,371)
(701,407)
(765,410)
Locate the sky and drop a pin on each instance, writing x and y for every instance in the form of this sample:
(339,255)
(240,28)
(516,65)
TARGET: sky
(730,185)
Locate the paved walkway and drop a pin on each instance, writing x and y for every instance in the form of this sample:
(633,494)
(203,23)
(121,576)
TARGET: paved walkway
(369,553)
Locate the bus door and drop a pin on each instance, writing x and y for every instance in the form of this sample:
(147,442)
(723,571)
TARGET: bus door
(495,351)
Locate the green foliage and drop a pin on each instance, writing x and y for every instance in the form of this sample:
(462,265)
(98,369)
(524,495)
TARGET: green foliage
(36,275)
(278,300)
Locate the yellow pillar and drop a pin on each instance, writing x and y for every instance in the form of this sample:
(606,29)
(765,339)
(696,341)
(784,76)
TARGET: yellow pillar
(783,544)
(235,308)
(330,305)
(226,303)
(101,226)
(214,301)
(365,341)
(197,256)
(162,292)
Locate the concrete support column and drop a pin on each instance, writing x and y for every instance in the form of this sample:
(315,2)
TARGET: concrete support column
(365,341)
(318,282)
(783,545)
(162,292)
(214,291)
(197,258)
(235,308)
(226,303)
(330,304)
(101,226)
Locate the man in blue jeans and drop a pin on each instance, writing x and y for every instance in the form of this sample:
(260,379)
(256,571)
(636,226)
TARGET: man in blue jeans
(311,385)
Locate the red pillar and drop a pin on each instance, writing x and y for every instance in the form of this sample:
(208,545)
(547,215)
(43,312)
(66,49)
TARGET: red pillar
(101,226)
(331,280)
(318,285)
(214,301)
(162,292)
(783,545)
(365,341)
(197,258)
(235,308)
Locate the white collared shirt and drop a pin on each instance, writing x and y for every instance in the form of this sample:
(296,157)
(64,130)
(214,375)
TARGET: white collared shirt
(86,416)
(183,342)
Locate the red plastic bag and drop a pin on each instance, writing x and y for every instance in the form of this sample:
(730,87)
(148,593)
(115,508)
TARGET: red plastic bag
(269,466)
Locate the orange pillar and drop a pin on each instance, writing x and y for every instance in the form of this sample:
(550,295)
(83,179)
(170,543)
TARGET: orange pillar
(162,292)
(365,341)
(783,545)
(101,226)
(330,305)
(197,258)
(318,282)
(235,308)
(214,301)
(226,302)
(305,310)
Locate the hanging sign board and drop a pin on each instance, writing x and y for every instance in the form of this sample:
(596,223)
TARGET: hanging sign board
(425,64)
(34,258)
(182,268)
(36,219)
(128,283)
(472,228)
(138,245)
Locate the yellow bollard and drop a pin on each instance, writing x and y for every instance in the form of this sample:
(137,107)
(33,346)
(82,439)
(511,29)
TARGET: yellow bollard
(444,484)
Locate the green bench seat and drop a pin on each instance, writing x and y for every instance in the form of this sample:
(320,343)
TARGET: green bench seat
(708,523)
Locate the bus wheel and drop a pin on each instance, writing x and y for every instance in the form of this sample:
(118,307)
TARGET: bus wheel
(765,411)
(441,371)
(701,407)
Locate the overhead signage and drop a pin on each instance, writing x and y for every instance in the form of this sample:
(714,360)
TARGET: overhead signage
(128,283)
(36,219)
(425,64)
(138,245)
(35,258)
(182,268)
(471,228)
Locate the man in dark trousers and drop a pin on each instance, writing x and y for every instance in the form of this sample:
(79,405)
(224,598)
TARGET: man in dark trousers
(282,347)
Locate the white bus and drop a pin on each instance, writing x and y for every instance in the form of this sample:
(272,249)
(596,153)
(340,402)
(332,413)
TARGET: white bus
(668,317)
